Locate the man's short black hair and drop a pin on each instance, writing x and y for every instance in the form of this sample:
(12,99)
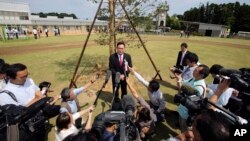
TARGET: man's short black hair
(192,57)
(215,69)
(204,71)
(120,43)
(184,45)
(212,126)
(154,85)
(3,66)
(12,70)
(65,94)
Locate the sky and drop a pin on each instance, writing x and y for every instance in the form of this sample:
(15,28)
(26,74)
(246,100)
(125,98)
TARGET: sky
(85,9)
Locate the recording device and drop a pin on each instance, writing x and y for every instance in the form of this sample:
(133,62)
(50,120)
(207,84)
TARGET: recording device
(178,70)
(103,86)
(30,120)
(123,118)
(107,78)
(128,105)
(189,97)
(44,87)
(240,79)
(117,81)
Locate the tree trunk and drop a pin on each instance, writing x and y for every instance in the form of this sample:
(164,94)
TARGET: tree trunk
(112,27)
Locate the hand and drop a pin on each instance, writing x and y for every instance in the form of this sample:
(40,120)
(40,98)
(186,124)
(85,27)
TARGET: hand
(224,85)
(90,94)
(172,69)
(122,77)
(131,70)
(91,109)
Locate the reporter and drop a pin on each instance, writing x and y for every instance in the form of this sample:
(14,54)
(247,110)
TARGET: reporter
(157,101)
(145,116)
(23,89)
(209,125)
(65,123)
(69,97)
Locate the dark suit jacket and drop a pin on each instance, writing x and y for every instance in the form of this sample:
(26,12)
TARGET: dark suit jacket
(114,64)
(178,65)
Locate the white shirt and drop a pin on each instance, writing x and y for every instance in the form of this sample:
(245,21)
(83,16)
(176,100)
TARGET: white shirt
(188,72)
(23,93)
(59,136)
(156,98)
(2,84)
(182,56)
(34,31)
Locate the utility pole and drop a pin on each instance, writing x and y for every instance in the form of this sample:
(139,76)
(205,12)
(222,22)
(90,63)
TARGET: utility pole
(112,38)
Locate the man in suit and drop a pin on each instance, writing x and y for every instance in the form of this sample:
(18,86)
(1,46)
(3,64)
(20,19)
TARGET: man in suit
(119,62)
(180,63)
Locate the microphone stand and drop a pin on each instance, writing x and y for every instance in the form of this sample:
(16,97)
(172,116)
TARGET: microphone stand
(99,92)
(113,98)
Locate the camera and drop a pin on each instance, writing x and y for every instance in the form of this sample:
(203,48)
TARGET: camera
(189,97)
(240,79)
(122,116)
(31,121)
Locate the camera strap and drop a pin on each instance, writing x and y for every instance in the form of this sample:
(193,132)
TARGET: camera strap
(204,91)
(10,94)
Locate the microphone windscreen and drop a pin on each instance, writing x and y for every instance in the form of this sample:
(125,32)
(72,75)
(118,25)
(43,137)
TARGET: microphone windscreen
(108,76)
(189,90)
(128,102)
(228,72)
(117,77)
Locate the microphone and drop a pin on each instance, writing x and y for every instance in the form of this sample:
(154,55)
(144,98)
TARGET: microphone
(128,105)
(107,77)
(126,64)
(104,84)
(117,78)
(188,90)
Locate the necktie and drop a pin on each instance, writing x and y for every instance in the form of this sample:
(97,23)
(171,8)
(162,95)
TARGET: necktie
(120,59)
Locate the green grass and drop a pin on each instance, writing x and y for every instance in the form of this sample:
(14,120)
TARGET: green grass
(57,66)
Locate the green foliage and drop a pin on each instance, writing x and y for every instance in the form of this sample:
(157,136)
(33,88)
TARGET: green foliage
(234,15)
(59,15)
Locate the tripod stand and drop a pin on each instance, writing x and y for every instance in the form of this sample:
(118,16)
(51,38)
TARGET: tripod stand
(74,79)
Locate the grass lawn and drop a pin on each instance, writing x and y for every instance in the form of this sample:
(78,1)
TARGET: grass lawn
(57,65)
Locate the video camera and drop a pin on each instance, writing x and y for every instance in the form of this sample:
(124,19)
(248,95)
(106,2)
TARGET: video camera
(123,118)
(30,120)
(190,98)
(240,80)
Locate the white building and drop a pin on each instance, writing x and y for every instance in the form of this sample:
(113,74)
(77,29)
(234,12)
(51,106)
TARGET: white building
(17,15)
(206,29)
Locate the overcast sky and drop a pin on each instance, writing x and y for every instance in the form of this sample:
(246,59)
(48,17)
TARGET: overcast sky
(85,9)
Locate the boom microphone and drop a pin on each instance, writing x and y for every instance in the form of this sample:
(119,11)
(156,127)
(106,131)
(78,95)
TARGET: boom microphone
(188,90)
(107,77)
(128,105)
(117,78)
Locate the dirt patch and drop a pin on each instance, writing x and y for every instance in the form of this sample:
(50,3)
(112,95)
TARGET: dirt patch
(40,48)
(50,47)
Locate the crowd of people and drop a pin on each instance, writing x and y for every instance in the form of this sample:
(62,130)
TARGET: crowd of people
(209,124)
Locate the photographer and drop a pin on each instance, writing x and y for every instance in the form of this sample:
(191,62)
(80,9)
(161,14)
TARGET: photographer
(207,126)
(244,110)
(157,101)
(65,123)
(197,82)
(109,132)
(191,60)
(212,88)
(145,117)
(23,89)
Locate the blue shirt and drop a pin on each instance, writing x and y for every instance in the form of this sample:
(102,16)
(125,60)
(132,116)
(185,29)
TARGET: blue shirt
(182,110)
(72,104)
